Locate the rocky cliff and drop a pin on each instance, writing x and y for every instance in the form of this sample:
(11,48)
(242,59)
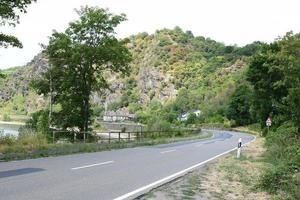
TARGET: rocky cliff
(163,63)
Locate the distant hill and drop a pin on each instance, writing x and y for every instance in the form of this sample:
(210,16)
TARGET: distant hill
(164,63)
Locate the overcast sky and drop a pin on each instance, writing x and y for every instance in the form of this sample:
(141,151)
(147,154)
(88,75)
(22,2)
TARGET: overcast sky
(228,21)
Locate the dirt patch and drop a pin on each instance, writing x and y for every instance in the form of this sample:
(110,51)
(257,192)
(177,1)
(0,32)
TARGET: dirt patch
(225,178)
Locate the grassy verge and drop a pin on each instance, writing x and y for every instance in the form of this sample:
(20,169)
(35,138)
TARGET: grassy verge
(283,176)
(35,146)
(231,178)
(225,178)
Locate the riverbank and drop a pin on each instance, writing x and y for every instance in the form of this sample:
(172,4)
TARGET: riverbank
(12,123)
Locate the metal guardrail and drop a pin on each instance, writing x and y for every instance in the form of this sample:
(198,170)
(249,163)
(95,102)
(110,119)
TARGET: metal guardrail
(117,136)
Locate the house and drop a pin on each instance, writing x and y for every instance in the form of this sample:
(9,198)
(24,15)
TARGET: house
(115,116)
(184,116)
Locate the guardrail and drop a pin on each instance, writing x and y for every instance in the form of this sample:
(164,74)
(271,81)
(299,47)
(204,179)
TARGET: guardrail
(118,136)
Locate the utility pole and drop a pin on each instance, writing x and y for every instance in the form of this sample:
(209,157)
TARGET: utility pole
(50,105)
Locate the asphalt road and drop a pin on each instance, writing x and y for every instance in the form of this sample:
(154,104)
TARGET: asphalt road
(117,174)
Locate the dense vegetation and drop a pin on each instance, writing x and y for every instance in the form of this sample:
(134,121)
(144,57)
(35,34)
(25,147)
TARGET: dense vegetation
(273,90)
(171,72)
(172,68)
(191,73)
(275,76)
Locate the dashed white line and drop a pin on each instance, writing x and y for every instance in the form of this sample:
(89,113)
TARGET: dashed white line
(93,165)
(163,152)
(168,178)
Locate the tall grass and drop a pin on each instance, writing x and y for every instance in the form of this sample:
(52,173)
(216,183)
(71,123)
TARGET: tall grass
(283,152)
(34,145)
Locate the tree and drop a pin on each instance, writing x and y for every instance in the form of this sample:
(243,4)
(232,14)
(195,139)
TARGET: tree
(79,57)
(275,76)
(2,75)
(9,15)
(240,105)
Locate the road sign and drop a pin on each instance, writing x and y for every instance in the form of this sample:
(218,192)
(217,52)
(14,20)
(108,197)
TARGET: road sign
(269,122)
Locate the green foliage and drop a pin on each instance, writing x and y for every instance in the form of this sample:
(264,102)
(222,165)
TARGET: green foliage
(79,56)
(192,119)
(39,122)
(98,111)
(275,75)
(6,117)
(9,15)
(134,107)
(2,75)
(7,139)
(38,148)
(156,124)
(239,108)
(283,153)
(115,105)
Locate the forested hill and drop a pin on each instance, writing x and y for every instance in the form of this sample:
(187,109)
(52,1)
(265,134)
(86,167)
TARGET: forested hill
(170,64)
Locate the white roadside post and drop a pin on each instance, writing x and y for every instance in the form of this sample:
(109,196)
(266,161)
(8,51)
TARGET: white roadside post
(239,148)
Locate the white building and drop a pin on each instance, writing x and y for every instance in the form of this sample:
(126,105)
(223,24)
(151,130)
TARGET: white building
(112,116)
(184,116)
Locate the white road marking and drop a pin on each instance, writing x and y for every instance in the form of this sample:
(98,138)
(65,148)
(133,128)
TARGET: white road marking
(96,164)
(168,178)
(163,152)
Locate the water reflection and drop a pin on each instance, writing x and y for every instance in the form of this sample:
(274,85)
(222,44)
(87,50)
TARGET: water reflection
(9,129)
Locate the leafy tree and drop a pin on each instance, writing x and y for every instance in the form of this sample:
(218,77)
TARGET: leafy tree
(239,108)
(192,119)
(9,15)
(249,49)
(275,75)
(2,75)
(79,56)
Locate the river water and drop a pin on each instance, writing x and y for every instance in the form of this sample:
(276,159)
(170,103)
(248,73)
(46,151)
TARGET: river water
(10,129)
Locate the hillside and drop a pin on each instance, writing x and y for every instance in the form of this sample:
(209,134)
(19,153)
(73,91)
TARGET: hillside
(166,65)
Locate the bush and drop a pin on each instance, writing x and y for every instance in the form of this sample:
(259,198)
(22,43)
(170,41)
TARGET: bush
(39,122)
(6,117)
(284,156)
(7,139)
(192,119)
(98,111)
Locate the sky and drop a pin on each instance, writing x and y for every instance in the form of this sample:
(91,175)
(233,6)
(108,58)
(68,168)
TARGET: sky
(229,21)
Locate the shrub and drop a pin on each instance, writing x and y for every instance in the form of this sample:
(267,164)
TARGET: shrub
(6,117)
(7,139)
(284,156)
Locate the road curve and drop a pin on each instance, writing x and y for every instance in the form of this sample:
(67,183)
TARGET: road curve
(118,174)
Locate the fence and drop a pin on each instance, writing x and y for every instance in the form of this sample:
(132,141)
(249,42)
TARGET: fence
(118,136)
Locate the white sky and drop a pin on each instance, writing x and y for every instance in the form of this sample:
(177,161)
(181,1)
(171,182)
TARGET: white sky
(230,21)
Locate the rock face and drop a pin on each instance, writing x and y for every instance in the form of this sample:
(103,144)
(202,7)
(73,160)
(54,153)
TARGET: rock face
(18,83)
(163,63)
(152,82)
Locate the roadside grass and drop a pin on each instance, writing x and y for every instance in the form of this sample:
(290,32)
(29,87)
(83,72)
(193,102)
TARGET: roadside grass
(34,145)
(283,155)
(232,178)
